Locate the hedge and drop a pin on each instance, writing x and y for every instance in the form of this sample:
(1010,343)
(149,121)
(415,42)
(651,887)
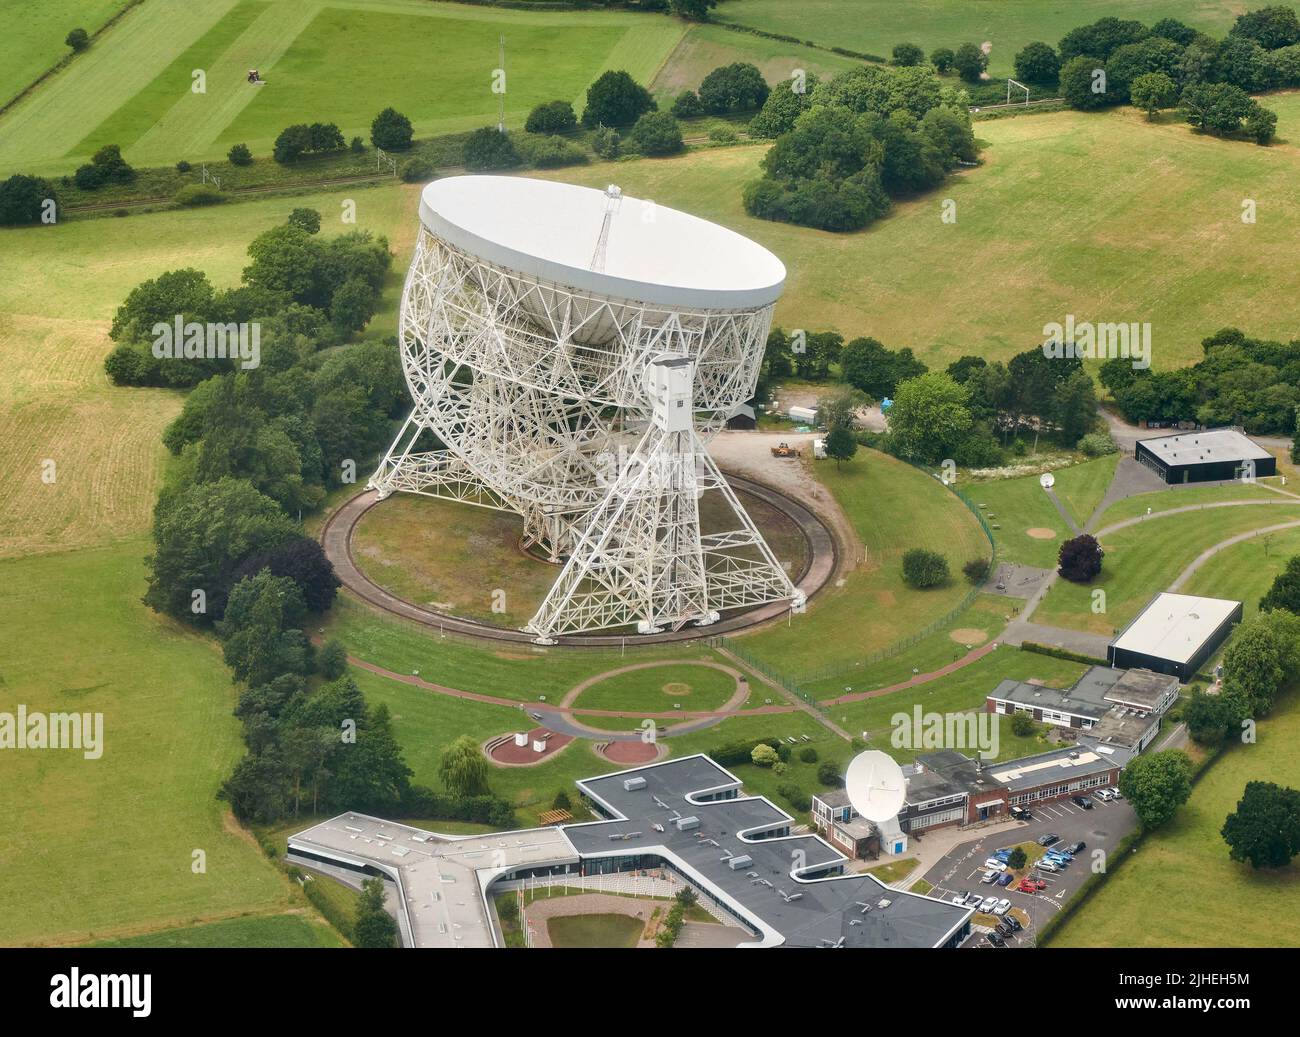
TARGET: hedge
(1062,653)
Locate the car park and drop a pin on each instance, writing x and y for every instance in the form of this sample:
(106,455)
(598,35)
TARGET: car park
(1002,907)
(988,904)
(1048,838)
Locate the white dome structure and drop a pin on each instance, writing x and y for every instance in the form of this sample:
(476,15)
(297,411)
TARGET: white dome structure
(545,328)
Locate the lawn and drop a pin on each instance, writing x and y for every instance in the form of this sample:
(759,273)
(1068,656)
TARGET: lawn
(1099,247)
(107,844)
(594,930)
(893,507)
(1081,487)
(60,289)
(658,689)
(34,35)
(963,691)
(1145,559)
(322,61)
(1180,889)
(287,930)
(874,26)
(1181,497)
(1245,571)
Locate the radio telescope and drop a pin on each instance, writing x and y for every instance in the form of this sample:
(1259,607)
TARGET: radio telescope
(569,353)
(874,782)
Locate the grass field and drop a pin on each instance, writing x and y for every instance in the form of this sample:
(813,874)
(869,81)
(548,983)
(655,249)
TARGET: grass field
(60,289)
(34,35)
(322,61)
(93,846)
(1181,889)
(1144,559)
(658,689)
(874,26)
(1181,497)
(286,930)
(594,930)
(1060,220)
(893,507)
(1245,571)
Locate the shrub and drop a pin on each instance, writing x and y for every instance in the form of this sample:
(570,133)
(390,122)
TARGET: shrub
(970,61)
(391,130)
(22,199)
(687,105)
(923,568)
(561,801)
(488,149)
(808,754)
(78,40)
(183,167)
(332,660)
(976,570)
(300,139)
(794,795)
(357,145)
(906,55)
(1022,725)
(722,135)
(738,87)
(306,219)
(416,170)
(656,133)
(616,99)
(239,155)
(942,59)
(763,755)
(829,774)
(1097,444)
(551,152)
(551,117)
(1037,63)
(199,194)
(606,142)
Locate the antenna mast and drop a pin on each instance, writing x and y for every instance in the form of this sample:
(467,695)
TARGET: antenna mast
(613,198)
(501,97)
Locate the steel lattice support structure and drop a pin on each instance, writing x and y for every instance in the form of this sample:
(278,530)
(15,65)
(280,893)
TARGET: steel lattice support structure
(534,397)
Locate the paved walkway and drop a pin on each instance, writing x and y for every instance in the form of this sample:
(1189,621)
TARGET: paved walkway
(1061,509)
(973,655)
(1209,553)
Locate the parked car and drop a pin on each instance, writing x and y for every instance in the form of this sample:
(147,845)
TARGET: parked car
(1031,886)
(1081,801)
(973,899)
(1047,864)
(1021,814)
(995,939)
(995,865)
(988,904)
(1060,856)
(1014,922)
(1105,795)
(1003,855)
(1005,879)
(1076,848)
(959,900)
(1003,929)
(1003,906)
(989,876)
(1048,838)
(1117,793)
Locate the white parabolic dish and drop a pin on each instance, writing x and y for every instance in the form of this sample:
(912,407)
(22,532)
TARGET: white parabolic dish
(874,782)
(1047,480)
(550,231)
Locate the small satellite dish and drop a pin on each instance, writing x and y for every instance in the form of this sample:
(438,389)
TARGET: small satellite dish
(874,782)
(1047,480)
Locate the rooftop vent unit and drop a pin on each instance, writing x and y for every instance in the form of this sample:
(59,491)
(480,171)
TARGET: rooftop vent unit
(685,824)
(883,903)
(632,784)
(740,861)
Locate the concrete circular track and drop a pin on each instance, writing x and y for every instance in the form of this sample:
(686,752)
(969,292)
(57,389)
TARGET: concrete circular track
(336,538)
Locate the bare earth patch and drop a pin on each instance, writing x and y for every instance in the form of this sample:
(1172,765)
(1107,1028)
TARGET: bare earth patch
(1041,533)
(677,689)
(968,636)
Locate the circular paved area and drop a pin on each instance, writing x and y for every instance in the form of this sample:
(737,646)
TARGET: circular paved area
(336,538)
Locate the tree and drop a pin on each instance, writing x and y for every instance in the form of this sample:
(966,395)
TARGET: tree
(305,219)
(1263,656)
(1208,718)
(829,774)
(1079,560)
(1261,124)
(1083,83)
(1017,859)
(970,61)
(261,631)
(561,801)
(839,409)
(942,59)
(763,755)
(374,926)
(692,10)
(551,117)
(239,155)
(616,99)
(332,659)
(301,139)
(1264,830)
(23,198)
(302,560)
(606,143)
(78,40)
(1022,725)
(1157,784)
(1151,92)
(463,769)
(106,166)
(1037,63)
(488,149)
(656,133)
(1284,593)
(906,55)
(391,130)
(929,417)
(1271,27)
(976,570)
(738,87)
(1102,38)
(923,568)
(1073,406)
(784,104)
(840,445)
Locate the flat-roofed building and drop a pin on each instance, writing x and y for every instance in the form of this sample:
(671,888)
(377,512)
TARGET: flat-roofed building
(1175,634)
(1068,771)
(1208,456)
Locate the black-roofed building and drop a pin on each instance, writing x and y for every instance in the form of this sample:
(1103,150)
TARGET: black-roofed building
(1175,634)
(1208,456)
